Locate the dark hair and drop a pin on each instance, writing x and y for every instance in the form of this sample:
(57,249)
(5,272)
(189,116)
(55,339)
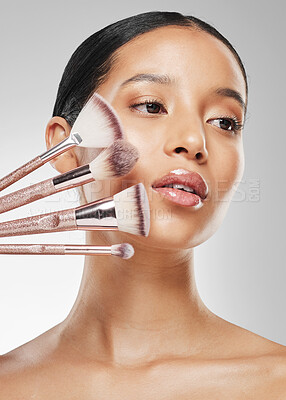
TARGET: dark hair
(92,60)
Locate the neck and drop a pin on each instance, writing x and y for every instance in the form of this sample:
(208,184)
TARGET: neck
(122,305)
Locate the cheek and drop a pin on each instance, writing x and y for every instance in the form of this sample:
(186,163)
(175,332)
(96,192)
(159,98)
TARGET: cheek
(147,134)
(100,189)
(227,170)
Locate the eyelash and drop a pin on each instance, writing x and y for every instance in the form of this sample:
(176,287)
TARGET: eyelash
(236,124)
(147,101)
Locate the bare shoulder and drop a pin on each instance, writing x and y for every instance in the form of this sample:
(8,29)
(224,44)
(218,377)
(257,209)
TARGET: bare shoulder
(14,372)
(240,342)
(262,360)
(45,368)
(22,369)
(272,373)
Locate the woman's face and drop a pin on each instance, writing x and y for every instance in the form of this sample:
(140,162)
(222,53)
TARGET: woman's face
(194,90)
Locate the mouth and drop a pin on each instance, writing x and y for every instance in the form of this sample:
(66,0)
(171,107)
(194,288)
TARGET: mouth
(183,187)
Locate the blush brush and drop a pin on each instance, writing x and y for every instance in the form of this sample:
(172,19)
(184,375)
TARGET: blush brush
(96,126)
(127,211)
(123,250)
(115,161)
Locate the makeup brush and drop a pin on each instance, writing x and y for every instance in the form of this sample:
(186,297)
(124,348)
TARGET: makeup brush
(123,250)
(96,126)
(115,161)
(126,211)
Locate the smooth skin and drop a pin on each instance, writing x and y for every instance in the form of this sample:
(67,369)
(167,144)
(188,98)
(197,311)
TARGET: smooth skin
(139,329)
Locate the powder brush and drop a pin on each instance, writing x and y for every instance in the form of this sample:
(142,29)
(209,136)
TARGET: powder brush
(123,250)
(115,161)
(96,126)
(126,211)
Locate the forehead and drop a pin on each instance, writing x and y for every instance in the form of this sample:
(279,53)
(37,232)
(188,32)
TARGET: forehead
(186,54)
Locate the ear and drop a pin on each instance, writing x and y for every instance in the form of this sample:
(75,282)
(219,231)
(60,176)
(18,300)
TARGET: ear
(57,130)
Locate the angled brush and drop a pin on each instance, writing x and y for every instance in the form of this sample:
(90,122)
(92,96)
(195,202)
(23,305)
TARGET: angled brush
(115,161)
(126,211)
(96,126)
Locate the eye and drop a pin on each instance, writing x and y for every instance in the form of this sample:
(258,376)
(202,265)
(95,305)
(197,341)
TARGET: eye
(149,107)
(227,124)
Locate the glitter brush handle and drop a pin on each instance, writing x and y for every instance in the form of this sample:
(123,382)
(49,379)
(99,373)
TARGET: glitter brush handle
(69,180)
(54,249)
(53,222)
(64,145)
(20,172)
(27,195)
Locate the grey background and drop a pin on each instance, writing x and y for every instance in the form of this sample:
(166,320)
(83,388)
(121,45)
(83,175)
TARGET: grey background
(241,270)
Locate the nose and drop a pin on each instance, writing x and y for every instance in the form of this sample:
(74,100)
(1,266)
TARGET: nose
(187,140)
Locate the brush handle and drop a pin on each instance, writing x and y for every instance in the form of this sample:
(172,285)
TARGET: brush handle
(54,249)
(68,180)
(71,141)
(32,249)
(27,195)
(20,172)
(54,222)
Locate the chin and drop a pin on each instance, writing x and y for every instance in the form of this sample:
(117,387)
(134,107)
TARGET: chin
(173,233)
(176,227)
(176,233)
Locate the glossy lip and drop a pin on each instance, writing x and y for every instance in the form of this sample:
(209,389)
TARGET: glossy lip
(187,178)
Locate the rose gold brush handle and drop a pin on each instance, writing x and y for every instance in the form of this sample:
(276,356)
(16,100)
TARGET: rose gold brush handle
(71,141)
(71,179)
(20,172)
(32,249)
(55,249)
(54,222)
(122,250)
(27,195)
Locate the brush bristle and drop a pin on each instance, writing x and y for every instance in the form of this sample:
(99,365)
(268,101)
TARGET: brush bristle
(117,160)
(132,210)
(97,123)
(123,250)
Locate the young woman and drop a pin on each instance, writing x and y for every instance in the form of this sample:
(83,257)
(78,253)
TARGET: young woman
(139,328)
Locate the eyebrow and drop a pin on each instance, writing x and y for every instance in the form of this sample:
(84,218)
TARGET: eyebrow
(226,92)
(153,78)
(167,80)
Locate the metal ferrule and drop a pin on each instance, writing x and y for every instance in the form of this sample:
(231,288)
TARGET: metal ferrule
(73,178)
(71,141)
(97,215)
(87,250)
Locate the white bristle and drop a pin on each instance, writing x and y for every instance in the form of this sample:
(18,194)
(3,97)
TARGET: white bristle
(123,250)
(132,210)
(97,123)
(117,160)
